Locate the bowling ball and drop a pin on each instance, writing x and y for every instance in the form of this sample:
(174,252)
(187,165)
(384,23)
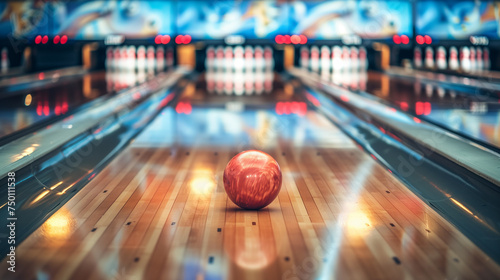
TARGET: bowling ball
(252,179)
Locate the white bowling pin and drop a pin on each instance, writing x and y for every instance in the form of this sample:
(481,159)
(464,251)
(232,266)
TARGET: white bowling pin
(268,81)
(429,58)
(465,59)
(441,58)
(249,82)
(228,58)
(314,59)
(441,92)
(304,57)
(141,58)
(219,82)
(355,58)
(268,58)
(454,65)
(429,89)
(210,58)
(325,59)
(160,59)
(472,59)
(123,58)
(228,82)
(150,58)
(219,57)
(346,58)
(210,80)
(131,59)
(249,58)
(337,59)
(239,81)
(239,58)
(259,82)
(259,58)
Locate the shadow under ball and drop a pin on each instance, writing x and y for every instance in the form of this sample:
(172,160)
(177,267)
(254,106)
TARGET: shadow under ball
(252,179)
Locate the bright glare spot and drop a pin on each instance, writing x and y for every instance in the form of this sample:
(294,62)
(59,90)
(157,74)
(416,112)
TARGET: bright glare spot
(59,226)
(27,100)
(358,224)
(203,183)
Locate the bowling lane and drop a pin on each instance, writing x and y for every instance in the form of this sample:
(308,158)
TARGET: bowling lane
(474,116)
(25,109)
(159,210)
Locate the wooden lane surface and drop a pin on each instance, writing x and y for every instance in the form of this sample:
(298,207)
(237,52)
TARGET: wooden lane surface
(160,212)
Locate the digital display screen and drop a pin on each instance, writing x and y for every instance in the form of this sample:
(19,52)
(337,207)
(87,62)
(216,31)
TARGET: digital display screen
(218,19)
(25,19)
(458,20)
(97,19)
(94,20)
(335,19)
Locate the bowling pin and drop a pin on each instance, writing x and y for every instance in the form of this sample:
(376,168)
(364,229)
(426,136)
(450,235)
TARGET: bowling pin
(472,59)
(123,58)
(5,60)
(239,80)
(160,59)
(304,57)
(150,58)
(268,81)
(210,80)
(465,59)
(429,58)
(314,64)
(259,58)
(219,57)
(454,65)
(116,58)
(169,58)
(417,87)
(486,59)
(429,89)
(131,59)
(268,58)
(441,92)
(479,59)
(239,58)
(336,59)
(363,59)
(441,58)
(346,58)
(109,59)
(325,60)
(259,82)
(141,58)
(453,94)
(228,82)
(363,79)
(417,57)
(210,58)
(249,58)
(228,58)
(219,82)
(355,58)
(249,82)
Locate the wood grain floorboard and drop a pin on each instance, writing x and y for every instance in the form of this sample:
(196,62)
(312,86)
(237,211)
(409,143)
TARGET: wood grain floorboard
(159,211)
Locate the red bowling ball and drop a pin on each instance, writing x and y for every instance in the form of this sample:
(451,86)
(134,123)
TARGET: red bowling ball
(252,179)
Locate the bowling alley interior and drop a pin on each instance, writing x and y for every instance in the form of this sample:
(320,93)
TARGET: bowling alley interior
(238,139)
